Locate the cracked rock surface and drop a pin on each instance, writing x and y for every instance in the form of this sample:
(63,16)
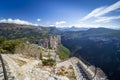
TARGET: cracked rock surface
(19,67)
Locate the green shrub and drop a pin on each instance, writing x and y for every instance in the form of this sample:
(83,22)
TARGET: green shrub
(2,41)
(41,57)
(48,62)
(49,55)
(2,50)
(9,46)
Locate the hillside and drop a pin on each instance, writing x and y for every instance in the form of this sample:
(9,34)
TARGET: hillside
(98,46)
(15,31)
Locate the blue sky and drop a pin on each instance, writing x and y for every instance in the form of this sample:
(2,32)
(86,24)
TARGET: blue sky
(62,13)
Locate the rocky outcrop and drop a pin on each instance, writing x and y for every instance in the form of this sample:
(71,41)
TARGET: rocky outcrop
(54,41)
(33,50)
(91,71)
(83,71)
(49,42)
(27,68)
(21,67)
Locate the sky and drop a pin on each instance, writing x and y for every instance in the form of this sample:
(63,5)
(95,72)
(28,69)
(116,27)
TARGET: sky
(62,13)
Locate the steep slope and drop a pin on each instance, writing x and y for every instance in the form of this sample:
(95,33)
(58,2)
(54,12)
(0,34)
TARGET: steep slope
(99,47)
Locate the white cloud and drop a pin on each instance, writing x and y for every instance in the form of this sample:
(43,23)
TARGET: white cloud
(87,25)
(3,20)
(93,13)
(108,9)
(59,23)
(95,25)
(102,11)
(107,19)
(38,19)
(17,21)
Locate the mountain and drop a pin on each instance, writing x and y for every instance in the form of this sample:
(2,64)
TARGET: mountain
(98,46)
(14,31)
(92,32)
(100,32)
(73,28)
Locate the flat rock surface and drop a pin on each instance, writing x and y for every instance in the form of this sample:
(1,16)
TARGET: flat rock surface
(22,68)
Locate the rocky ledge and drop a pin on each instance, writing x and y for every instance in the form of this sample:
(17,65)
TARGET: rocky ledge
(21,67)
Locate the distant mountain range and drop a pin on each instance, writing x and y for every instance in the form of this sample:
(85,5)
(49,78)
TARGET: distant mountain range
(73,28)
(14,31)
(92,32)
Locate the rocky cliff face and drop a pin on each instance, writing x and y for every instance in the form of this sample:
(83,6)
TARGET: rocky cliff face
(49,42)
(54,41)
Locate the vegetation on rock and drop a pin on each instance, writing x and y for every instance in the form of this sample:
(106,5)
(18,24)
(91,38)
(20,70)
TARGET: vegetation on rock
(62,52)
(48,62)
(9,46)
